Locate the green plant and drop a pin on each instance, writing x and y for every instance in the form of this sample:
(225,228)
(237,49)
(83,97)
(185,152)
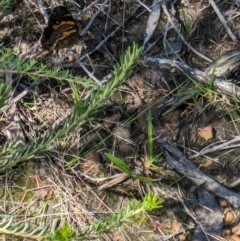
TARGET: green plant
(133,212)
(22,229)
(125,168)
(187,24)
(83,109)
(206,89)
(63,233)
(4,93)
(149,161)
(4,5)
(10,64)
(11,154)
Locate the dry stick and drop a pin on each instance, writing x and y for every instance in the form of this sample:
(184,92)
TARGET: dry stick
(20,96)
(150,45)
(106,39)
(110,181)
(89,6)
(180,198)
(235,183)
(99,45)
(165,36)
(192,150)
(158,2)
(231,147)
(90,74)
(108,16)
(144,5)
(152,21)
(181,36)
(181,164)
(93,18)
(173,66)
(215,148)
(43,12)
(223,21)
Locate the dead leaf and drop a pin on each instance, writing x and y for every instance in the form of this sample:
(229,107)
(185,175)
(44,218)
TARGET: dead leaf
(152,20)
(207,133)
(175,226)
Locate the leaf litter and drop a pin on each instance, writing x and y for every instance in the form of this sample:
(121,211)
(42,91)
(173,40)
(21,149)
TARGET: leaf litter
(183,40)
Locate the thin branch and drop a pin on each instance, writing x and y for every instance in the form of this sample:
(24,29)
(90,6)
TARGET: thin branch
(184,166)
(225,145)
(223,21)
(182,37)
(20,96)
(93,18)
(173,66)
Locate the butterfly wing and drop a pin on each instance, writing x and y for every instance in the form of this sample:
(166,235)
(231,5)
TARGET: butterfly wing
(62,30)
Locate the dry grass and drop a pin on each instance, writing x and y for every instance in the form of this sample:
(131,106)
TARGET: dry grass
(74,182)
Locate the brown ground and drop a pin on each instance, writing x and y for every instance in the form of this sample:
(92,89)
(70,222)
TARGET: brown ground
(76,194)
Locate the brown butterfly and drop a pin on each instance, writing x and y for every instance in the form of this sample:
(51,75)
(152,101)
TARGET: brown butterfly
(61,30)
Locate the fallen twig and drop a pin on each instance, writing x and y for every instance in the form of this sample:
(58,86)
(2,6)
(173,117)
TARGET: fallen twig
(192,172)
(225,145)
(174,66)
(181,36)
(93,18)
(223,21)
